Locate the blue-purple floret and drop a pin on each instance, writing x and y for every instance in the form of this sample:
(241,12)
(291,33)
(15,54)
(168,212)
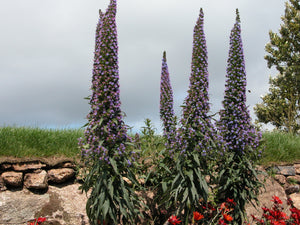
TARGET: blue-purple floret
(106,132)
(196,128)
(235,122)
(166,103)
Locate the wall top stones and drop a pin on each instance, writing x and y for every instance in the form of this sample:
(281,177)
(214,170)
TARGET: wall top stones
(35,173)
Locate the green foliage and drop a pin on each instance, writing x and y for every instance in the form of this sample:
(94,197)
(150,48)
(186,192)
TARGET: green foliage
(188,186)
(112,199)
(38,142)
(281,106)
(280,147)
(238,180)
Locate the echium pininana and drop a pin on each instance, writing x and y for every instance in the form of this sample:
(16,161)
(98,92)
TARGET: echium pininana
(166,103)
(105,133)
(196,127)
(235,123)
(103,149)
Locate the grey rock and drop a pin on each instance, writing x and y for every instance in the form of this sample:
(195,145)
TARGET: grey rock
(292,189)
(286,170)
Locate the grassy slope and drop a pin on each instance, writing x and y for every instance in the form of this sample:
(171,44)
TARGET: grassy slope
(26,141)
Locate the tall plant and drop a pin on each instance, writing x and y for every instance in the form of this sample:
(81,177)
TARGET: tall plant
(112,200)
(238,179)
(166,103)
(194,135)
(196,127)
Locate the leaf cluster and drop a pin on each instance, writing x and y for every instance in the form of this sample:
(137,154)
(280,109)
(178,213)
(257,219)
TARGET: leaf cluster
(238,180)
(112,199)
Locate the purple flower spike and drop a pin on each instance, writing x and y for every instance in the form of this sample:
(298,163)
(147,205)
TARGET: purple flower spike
(196,127)
(235,122)
(106,131)
(166,103)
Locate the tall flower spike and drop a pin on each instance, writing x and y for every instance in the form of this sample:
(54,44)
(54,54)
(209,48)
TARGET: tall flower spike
(105,133)
(196,127)
(235,122)
(166,103)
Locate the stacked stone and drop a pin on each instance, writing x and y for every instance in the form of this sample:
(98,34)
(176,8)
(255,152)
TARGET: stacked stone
(34,175)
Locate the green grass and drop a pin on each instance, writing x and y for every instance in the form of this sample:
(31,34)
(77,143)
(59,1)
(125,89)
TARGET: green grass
(28,141)
(279,147)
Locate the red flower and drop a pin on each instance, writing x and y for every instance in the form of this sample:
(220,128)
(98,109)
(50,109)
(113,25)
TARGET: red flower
(276,200)
(41,219)
(231,201)
(38,221)
(174,220)
(222,222)
(227,217)
(198,216)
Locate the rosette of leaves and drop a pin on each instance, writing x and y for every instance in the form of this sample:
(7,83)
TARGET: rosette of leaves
(237,176)
(104,151)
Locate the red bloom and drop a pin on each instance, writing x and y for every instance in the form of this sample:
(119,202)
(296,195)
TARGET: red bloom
(231,201)
(222,222)
(276,200)
(198,216)
(174,220)
(41,219)
(38,221)
(227,217)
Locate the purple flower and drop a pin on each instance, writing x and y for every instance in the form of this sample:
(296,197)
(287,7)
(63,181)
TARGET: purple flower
(166,103)
(235,122)
(106,132)
(196,125)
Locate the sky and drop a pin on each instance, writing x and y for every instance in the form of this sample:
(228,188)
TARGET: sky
(47,50)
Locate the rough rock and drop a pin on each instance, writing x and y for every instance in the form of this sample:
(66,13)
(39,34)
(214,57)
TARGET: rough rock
(60,175)
(13,179)
(2,185)
(68,165)
(292,189)
(280,178)
(286,170)
(17,207)
(297,168)
(36,180)
(25,166)
(272,188)
(295,178)
(60,205)
(6,166)
(295,197)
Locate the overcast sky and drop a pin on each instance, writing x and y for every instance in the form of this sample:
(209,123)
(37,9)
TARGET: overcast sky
(46,55)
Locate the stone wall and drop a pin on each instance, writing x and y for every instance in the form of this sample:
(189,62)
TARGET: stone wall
(35,174)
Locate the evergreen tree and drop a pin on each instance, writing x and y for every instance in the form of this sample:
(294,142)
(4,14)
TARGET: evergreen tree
(238,179)
(166,103)
(112,200)
(281,106)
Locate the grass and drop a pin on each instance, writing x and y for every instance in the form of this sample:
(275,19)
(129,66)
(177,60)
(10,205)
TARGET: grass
(279,147)
(29,141)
